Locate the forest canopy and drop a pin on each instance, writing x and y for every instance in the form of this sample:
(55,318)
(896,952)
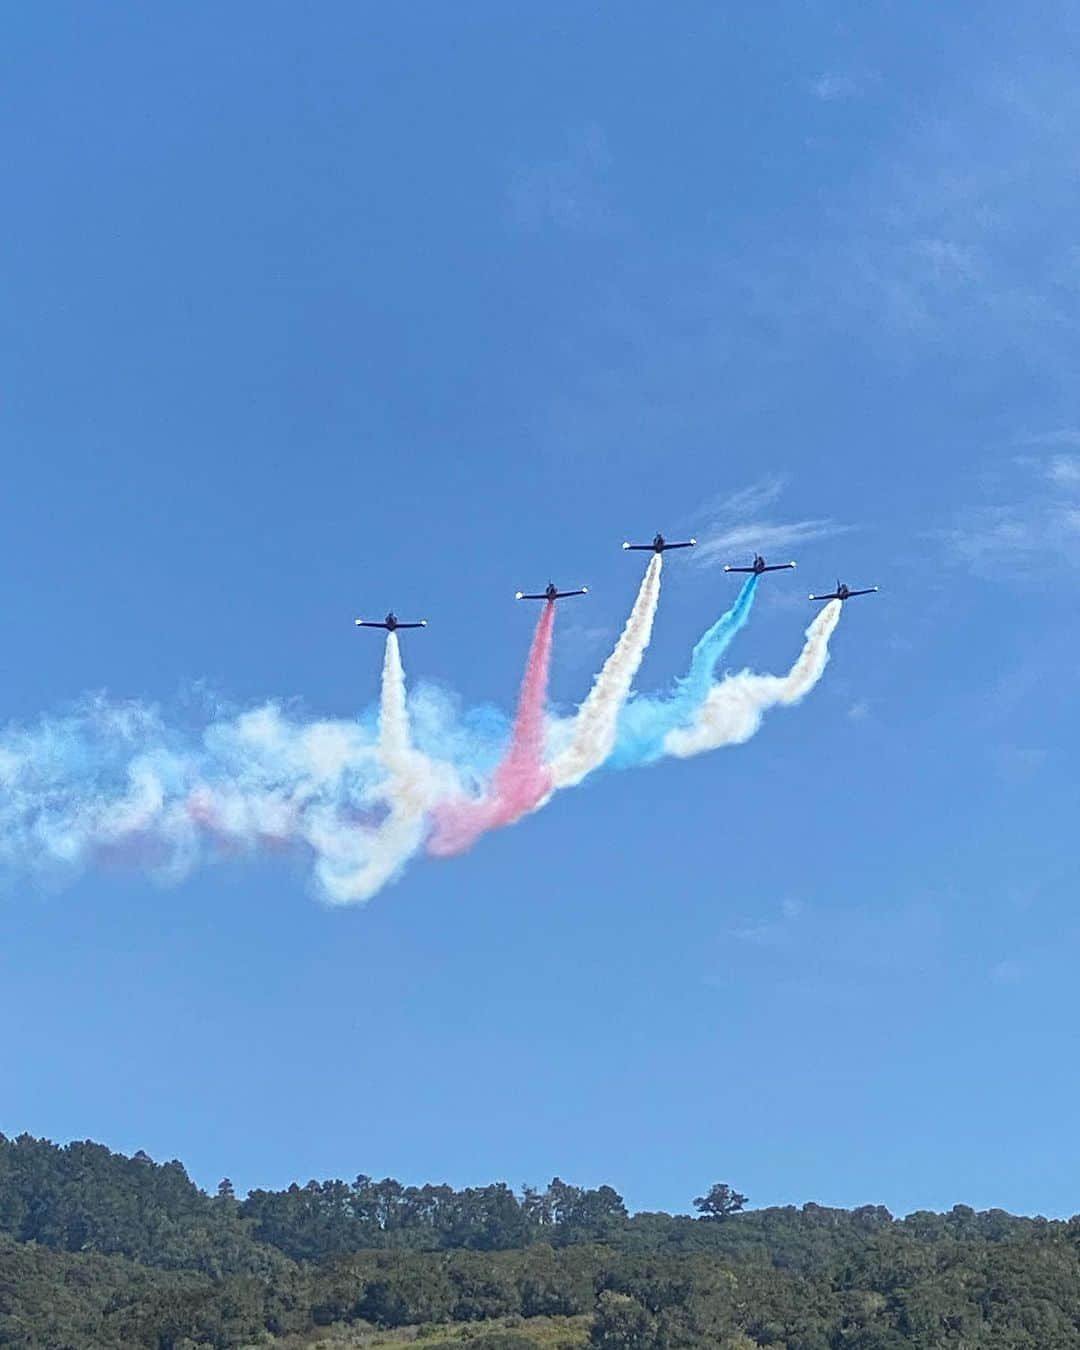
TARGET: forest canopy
(100,1250)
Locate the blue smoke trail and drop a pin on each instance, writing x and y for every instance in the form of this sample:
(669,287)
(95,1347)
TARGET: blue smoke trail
(645,721)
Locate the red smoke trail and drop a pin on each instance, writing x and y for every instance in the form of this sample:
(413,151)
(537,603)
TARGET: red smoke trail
(521,781)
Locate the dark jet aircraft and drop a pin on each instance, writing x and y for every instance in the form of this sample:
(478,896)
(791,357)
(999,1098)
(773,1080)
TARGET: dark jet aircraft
(843,592)
(552,593)
(391,623)
(659,544)
(759,565)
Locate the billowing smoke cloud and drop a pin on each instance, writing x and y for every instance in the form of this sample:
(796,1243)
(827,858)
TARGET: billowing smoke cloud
(733,709)
(646,720)
(521,781)
(355,864)
(592,731)
(92,784)
(118,785)
(111,783)
(121,784)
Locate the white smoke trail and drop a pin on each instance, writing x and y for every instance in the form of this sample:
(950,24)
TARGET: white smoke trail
(592,732)
(733,710)
(118,784)
(354,866)
(267,782)
(109,783)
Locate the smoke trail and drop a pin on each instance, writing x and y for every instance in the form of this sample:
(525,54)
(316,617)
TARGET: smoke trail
(119,785)
(87,785)
(359,806)
(520,781)
(645,721)
(354,865)
(393,715)
(592,732)
(733,710)
(115,783)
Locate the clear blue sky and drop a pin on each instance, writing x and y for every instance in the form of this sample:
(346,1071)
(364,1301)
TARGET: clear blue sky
(312,309)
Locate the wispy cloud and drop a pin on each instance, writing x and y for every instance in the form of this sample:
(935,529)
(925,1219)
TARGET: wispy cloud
(742,523)
(579,643)
(1063,436)
(565,191)
(1035,517)
(833,85)
(1007,972)
(774,931)
(960,227)
(1064,470)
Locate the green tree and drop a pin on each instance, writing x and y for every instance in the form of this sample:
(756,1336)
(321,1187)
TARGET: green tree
(720,1201)
(622,1323)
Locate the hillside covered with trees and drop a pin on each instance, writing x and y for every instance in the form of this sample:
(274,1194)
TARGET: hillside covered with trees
(101,1250)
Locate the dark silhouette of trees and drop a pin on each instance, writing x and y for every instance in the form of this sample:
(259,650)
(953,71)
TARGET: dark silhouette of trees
(720,1201)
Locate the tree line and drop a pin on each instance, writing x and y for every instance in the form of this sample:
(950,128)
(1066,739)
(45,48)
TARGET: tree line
(102,1250)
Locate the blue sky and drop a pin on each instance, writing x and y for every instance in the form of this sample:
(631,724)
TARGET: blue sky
(316,309)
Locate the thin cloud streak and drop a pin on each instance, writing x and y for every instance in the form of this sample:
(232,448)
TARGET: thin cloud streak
(1063,436)
(959,229)
(731,537)
(771,932)
(565,192)
(1039,521)
(833,86)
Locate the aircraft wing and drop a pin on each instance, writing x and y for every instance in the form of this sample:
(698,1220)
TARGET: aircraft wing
(775,567)
(543,595)
(650,547)
(870,590)
(831,596)
(370,623)
(688,543)
(421,624)
(740,569)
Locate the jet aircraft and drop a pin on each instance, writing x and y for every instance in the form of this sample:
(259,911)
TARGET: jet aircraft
(759,565)
(551,593)
(391,623)
(659,544)
(843,592)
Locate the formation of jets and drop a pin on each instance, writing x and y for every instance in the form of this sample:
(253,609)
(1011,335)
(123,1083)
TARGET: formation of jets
(659,544)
